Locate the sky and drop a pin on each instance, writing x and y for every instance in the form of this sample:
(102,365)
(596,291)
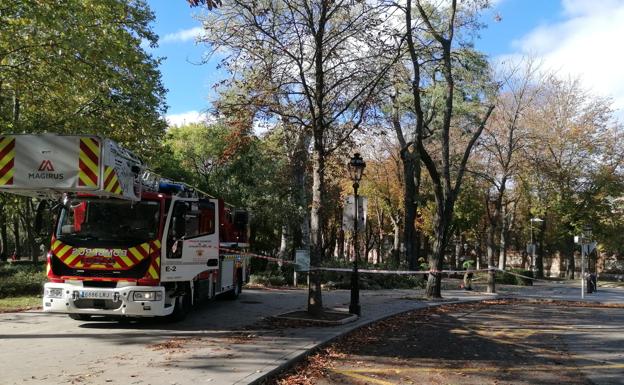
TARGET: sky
(575,38)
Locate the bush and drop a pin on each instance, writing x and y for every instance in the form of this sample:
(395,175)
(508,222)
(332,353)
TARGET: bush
(273,275)
(21,279)
(342,280)
(267,279)
(509,279)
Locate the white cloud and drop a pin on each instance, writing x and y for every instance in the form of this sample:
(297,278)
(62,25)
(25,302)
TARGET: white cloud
(188,117)
(585,44)
(182,35)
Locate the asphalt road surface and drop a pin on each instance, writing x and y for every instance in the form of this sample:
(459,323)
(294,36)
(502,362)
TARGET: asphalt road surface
(219,343)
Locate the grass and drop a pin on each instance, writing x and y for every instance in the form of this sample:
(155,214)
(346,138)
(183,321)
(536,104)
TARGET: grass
(19,303)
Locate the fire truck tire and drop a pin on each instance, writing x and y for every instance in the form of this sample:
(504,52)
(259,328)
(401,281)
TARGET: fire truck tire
(80,317)
(182,307)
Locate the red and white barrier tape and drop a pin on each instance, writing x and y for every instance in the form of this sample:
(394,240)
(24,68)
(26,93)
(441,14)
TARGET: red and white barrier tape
(400,272)
(378,271)
(253,255)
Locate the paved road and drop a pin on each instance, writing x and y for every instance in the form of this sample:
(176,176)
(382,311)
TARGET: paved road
(38,348)
(218,344)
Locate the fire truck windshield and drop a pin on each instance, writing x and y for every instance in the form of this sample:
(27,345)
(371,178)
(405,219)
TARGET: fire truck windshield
(108,222)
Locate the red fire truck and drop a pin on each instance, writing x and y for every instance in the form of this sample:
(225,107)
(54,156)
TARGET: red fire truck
(127,242)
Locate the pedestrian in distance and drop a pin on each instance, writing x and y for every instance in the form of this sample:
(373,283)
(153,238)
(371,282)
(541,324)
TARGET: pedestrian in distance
(467,265)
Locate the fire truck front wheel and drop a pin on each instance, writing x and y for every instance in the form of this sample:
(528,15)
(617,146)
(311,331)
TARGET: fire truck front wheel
(182,306)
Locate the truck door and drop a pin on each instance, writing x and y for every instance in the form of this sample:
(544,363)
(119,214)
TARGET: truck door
(191,241)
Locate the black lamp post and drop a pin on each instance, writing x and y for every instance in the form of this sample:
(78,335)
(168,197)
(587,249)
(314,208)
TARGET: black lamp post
(356,168)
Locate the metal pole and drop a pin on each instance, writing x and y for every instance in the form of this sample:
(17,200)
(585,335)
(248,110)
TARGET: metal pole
(354,306)
(582,270)
(532,247)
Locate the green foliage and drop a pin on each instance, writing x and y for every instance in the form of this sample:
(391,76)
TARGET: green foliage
(509,279)
(342,280)
(21,279)
(267,279)
(233,165)
(80,67)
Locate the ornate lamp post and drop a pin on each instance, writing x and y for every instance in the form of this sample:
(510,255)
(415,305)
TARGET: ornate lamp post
(586,237)
(356,169)
(533,220)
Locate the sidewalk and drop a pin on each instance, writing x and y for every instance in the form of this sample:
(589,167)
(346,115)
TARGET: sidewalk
(568,291)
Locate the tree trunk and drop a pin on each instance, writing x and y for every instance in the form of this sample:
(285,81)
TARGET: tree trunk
(16,111)
(30,230)
(426,242)
(4,251)
(411,173)
(315,300)
(457,254)
(341,244)
(396,244)
(434,282)
(539,258)
(283,250)
(491,280)
(441,224)
(380,221)
(502,256)
(570,257)
(16,234)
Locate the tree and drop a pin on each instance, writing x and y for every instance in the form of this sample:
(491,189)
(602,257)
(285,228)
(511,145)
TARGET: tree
(254,175)
(574,144)
(382,186)
(76,67)
(320,72)
(444,66)
(79,67)
(501,146)
(410,160)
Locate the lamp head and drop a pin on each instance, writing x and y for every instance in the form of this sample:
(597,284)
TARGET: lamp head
(356,167)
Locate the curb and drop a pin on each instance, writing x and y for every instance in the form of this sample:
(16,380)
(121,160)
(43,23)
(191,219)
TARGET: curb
(350,318)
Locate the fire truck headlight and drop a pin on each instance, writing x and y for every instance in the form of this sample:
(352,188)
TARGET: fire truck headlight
(146,296)
(54,292)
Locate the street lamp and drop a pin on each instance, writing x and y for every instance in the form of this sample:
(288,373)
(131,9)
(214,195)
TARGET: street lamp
(356,168)
(533,220)
(586,236)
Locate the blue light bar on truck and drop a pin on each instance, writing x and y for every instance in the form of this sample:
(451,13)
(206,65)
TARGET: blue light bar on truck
(170,188)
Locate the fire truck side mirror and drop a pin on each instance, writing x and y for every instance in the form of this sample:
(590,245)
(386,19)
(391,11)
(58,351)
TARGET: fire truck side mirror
(179,220)
(136,170)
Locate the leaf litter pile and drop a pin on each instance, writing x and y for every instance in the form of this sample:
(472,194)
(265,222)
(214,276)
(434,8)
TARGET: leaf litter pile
(182,344)
(486,342)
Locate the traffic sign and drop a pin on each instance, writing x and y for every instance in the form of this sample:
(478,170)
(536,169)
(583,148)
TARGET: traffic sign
(349,212)
(302,260)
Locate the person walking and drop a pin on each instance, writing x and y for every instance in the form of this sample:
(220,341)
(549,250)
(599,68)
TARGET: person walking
(468,265)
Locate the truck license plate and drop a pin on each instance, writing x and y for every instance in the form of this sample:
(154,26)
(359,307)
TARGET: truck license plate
(95,294)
